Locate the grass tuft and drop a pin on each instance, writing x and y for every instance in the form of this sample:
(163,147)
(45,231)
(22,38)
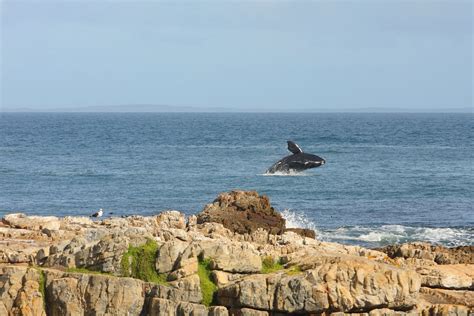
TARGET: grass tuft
(208,288)
(85,271)
(270,265)
(139,262)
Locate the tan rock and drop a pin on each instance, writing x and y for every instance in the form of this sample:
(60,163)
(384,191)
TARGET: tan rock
(235,258)
(221,278)
(186,267)
(78,294)
(247,312)
(453,276)
(164,307)
(436,253)
(20,292)
(171,219)
(168,254)
(191,288)
(218,311)
(20,220)
(445,310)
(449,297)
(344,283)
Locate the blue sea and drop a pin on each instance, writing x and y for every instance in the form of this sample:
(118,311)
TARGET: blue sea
(388,178)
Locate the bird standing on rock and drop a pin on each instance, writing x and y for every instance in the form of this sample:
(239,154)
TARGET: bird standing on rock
(99,213)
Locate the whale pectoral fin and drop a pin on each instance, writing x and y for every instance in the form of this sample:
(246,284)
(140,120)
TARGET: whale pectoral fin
(294,148)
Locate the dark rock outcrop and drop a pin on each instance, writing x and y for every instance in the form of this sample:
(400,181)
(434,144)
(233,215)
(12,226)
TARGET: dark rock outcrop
(243,212)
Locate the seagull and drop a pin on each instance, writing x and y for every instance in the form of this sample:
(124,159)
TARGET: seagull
(98,213)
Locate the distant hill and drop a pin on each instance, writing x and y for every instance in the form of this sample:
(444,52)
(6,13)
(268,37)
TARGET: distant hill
(139,108)
(120,108)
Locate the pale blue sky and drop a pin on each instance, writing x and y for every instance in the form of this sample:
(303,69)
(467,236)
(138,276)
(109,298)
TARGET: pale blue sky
(270,55)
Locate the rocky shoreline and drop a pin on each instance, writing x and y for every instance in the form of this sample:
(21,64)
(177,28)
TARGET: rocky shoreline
(234,258)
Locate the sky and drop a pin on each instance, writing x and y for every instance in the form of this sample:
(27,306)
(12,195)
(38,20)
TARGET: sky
(239,55)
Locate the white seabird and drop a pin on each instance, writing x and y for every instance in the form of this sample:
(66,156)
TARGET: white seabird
(99,213)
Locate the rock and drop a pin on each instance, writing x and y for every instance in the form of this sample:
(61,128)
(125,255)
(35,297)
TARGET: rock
(78,294)
(20,292)
(218,311)
(340,284)
(454,276)
(168,254)
(436,253)
(225,255)
(243,212)
(186,267)
(170,220)
(235,258)
(20,220)
(160,307)
(450,297)
(192,222)
(304,232)
(247,312)
(313,276)
(190,287)
(442,310)
(221,278)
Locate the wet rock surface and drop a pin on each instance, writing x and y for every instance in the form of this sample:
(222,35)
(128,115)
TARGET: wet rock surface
(76,267)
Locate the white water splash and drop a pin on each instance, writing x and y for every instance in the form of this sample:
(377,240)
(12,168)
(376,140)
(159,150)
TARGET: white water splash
(297,220)
(291,173)
(392,234)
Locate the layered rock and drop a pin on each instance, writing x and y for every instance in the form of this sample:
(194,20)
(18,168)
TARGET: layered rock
(436,253)
(240,269)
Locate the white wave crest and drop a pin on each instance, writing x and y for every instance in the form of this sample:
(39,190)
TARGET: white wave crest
(290,173)
(392,234)
(297,220)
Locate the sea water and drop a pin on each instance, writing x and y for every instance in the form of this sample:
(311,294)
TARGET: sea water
(388,177)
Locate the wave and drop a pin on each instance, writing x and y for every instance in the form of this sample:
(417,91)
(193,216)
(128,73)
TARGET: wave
(297,220)
(376,236)
(290,173)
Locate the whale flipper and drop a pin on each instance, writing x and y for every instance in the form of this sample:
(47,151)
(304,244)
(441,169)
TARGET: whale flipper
(294,148)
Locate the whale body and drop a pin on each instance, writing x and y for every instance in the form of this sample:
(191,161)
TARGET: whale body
(298,161)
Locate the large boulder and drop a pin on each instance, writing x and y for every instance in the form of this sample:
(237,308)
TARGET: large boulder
(243,212)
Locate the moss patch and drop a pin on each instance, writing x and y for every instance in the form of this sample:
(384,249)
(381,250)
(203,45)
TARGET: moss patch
(139,262)
(208,288)
(85,271)
(270,265)
(293,270)
(42,286)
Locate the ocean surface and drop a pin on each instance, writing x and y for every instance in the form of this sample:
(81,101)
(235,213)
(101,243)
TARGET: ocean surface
(388,177)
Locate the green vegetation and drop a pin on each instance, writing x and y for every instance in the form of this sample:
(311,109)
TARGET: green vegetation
(293,270)
(85,271)
(42,286)
(270,265)
(208,288)
(139,262)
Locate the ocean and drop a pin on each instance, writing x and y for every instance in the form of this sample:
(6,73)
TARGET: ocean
(388,178)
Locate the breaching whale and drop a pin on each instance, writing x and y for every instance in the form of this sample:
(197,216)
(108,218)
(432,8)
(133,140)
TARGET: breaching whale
(299,161)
